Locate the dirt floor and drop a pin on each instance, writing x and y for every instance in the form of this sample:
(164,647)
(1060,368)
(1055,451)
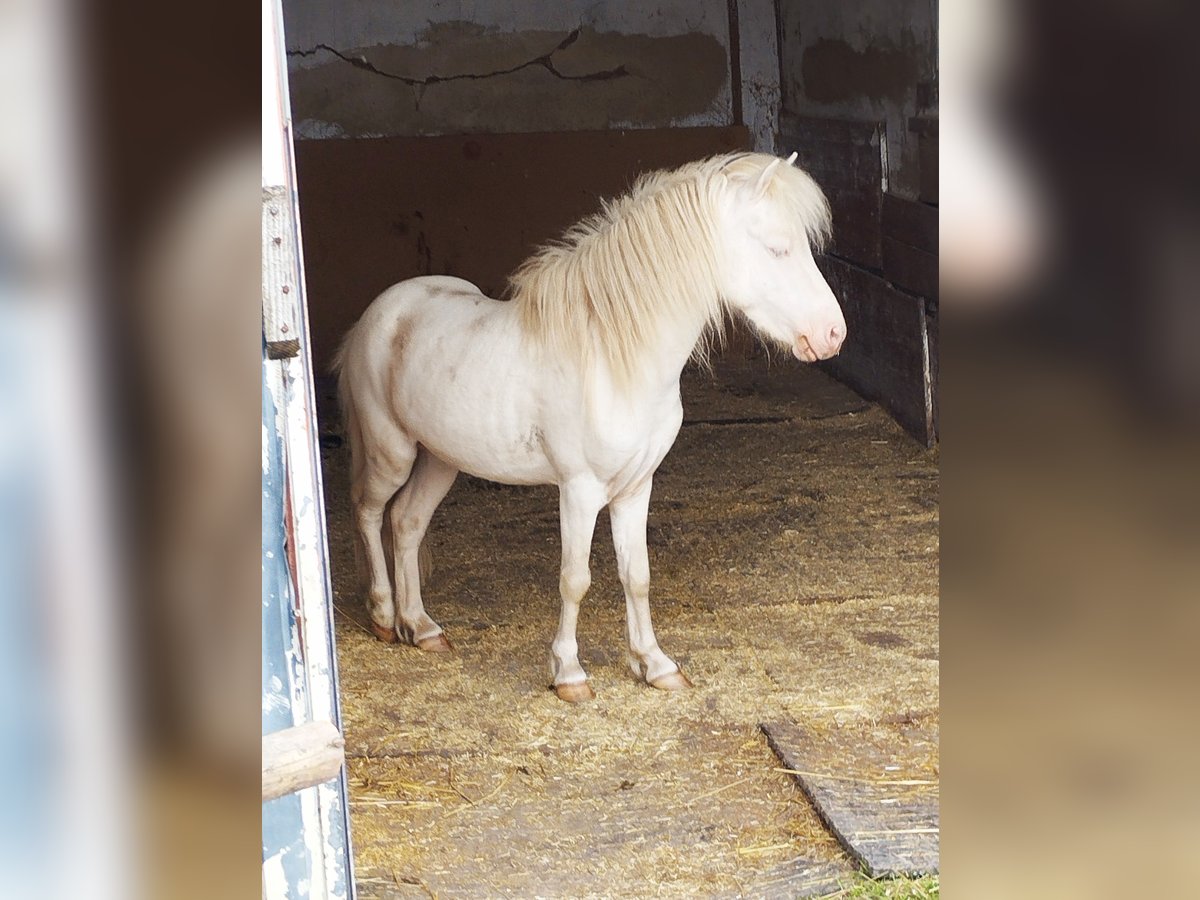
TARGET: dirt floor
(794,557)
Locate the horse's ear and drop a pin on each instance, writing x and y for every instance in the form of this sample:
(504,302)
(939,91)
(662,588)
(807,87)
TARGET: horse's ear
(760,185)
(791,160)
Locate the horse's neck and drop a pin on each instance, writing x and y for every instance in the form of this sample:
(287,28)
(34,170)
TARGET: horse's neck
(675,349)
(676,340)
(658,372)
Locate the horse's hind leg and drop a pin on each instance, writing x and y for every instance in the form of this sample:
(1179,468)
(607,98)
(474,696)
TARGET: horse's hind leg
(380,476)
(411,513)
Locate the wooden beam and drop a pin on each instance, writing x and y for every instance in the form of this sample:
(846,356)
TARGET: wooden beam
(280,269)
(300,757)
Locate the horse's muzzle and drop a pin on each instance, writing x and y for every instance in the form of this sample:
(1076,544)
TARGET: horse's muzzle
(809,350)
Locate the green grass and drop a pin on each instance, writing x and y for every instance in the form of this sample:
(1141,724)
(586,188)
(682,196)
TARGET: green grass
(865,888)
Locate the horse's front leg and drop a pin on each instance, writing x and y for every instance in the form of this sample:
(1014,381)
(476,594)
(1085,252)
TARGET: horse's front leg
(578,504)
(646,658)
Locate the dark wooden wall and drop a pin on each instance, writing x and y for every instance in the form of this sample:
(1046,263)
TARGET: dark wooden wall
(882,264)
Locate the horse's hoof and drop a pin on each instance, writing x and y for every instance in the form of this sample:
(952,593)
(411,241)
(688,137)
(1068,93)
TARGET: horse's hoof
(575,693)
(672,681)
(387,635)
(435,644)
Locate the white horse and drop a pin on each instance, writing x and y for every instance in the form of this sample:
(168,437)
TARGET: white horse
(575,380)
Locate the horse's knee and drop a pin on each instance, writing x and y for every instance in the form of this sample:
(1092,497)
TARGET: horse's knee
(368,518)
(408,530)
(574,582)
(637,583)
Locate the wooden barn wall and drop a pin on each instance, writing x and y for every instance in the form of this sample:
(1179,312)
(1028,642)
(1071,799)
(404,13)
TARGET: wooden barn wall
(859,104)
(375,211)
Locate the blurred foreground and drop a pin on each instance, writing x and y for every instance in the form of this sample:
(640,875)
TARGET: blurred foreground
(1071,459)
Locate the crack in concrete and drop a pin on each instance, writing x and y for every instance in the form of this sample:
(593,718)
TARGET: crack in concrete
(546,61)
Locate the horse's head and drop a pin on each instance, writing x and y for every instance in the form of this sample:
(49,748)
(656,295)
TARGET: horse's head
(772,216)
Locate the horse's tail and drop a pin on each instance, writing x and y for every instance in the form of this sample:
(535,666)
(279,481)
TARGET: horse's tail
(350,427)
(352,432)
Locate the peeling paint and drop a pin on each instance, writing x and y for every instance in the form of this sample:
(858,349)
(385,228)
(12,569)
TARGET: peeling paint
(315,129)
(304,836)
(761,95)
(273,876)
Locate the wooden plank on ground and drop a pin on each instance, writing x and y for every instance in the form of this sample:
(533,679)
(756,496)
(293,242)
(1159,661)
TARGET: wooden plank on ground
(885,818)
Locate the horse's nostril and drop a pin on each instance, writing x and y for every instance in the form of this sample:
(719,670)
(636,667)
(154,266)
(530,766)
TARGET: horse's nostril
(837,334)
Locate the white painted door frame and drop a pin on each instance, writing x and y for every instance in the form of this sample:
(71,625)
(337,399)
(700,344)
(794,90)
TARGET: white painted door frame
(311,693)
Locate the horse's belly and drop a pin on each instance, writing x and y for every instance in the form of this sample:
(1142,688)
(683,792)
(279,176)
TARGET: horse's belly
(486,432)
(509,462)
(462,388)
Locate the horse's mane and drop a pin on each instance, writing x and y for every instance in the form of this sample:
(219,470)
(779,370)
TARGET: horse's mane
(648,261)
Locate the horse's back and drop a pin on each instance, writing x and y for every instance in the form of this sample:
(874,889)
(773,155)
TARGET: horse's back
(394,314)
(413,292)
(440,284)
(433,325)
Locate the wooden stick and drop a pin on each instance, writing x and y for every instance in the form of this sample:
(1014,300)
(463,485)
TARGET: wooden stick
(297,758)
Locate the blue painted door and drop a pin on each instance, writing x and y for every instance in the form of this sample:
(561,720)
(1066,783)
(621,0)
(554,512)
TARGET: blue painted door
(305,836)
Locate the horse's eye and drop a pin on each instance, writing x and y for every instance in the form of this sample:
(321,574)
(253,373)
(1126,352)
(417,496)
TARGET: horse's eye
(779,251)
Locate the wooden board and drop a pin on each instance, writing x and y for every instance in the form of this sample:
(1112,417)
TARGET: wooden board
(846,160)
(910,245)
(883,808)
(884,357)
(281,328)
(299,757)
(910,268)
(911,222)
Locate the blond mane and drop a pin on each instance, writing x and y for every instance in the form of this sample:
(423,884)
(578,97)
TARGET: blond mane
(649,262)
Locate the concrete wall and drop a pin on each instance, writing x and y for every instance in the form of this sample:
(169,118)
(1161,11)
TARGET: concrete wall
(377,68)
(870,60)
